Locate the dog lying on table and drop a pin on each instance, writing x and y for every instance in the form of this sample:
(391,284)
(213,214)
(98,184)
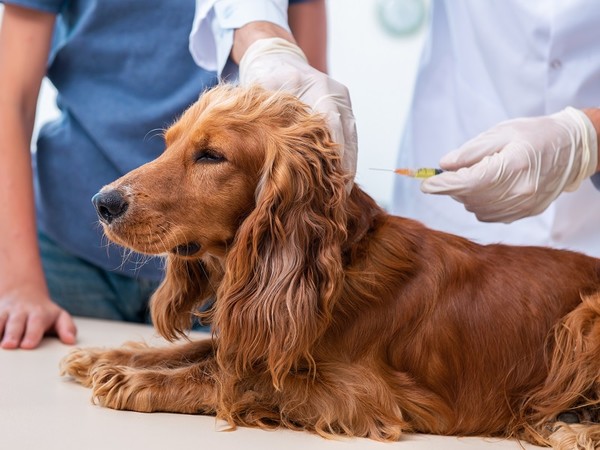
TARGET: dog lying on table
(329,314)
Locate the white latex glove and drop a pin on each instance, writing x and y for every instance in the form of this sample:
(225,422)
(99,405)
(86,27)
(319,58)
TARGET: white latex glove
(517,168)
(278,64)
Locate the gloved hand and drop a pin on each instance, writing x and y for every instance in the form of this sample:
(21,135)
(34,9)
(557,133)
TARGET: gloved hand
(517,168)
(278,64)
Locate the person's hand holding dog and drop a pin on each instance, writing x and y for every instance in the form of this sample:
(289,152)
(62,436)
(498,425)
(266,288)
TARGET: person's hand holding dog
(278,64)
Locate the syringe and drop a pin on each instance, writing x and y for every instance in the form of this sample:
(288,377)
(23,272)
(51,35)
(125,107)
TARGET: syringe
(424,172)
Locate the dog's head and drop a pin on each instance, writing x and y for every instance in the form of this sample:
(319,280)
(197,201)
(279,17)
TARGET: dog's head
(191,200)
(251,179)
(225,151)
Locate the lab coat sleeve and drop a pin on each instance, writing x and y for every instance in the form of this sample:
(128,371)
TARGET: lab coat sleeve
(211,37)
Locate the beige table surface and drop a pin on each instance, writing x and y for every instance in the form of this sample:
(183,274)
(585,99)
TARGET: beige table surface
(42,411)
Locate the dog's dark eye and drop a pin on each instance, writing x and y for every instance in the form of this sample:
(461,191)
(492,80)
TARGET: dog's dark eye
(209,156)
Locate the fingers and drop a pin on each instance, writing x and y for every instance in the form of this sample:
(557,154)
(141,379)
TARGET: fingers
(473,151)
(484,189)
(463,181)
(26,330)
(65,328)
(33,331)
(350,156)
(336,107)
(13,331)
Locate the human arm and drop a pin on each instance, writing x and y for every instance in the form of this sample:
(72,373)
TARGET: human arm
(268,54)
(520,166)
(308,29)
(308,23)
(26,310)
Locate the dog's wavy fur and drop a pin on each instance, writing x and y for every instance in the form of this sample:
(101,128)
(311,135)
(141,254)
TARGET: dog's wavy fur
(330,315)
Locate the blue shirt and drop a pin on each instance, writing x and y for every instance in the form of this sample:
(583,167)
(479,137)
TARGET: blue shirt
(123,73)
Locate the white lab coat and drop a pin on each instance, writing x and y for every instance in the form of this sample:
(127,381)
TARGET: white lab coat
(488,61)
(211,37)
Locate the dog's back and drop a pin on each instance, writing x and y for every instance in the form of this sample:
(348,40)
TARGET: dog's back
(471,325)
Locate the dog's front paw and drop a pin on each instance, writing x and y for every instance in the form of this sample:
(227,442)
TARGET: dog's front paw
(79,363)
(120,387)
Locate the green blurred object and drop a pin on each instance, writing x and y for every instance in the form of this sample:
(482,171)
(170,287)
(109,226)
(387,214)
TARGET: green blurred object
(401,17)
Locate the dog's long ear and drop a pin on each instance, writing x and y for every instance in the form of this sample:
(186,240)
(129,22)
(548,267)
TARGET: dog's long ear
(176,301)
(284,271)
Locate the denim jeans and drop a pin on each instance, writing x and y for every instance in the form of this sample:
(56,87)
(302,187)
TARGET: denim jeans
(84,289)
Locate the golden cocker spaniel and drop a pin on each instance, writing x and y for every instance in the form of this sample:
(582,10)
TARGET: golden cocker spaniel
(329,314)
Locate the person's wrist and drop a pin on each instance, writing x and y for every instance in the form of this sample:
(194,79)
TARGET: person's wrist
(21,285)
(245,36)
(594,115)
(23,273)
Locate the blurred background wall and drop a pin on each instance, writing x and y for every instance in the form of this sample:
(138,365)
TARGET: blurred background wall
(374,47)
(379,68)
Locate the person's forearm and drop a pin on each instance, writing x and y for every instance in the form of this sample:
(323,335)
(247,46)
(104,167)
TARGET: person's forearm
(308,22)
(24,45)
(245,36)
(594,116)
(19,253)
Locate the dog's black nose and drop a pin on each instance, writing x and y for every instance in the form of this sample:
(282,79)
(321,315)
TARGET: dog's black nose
(109,205)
